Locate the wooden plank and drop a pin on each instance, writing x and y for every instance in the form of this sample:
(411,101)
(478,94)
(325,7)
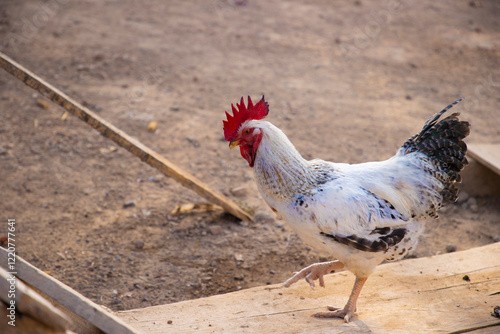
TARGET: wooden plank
(486,154)
(41,314)
(69,298)
(121,138)
(413,296)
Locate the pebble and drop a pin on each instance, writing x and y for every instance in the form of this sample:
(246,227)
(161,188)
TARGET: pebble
(474,208)
(129,204)
(193,141)
(451,248)
(239,277)
(238,257)
(215,229)
(156,178)
(139,244)
(152,126)
(463,196)
(263,217)
(472,202)
(42,104)
(239,191)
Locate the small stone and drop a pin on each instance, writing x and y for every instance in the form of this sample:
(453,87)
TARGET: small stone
(472,201)
(42,104)
(152,126)
(451,248)
(263,217)
(129,204)
(139,244)
(239,277)
(474,208)
(496,312)
(170,322)
(88,191)
(475,4)
(238,257)
(466,278)
(215,229)
(156,178)
(193,141)
(463,196)
(239,191)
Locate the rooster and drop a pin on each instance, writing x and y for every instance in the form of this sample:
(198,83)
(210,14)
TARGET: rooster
(360,214)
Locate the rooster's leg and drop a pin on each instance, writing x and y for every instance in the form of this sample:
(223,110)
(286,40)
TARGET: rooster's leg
(348,311)
(314,272)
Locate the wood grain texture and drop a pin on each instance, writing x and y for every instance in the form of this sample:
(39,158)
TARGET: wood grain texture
(91,315)
(425,295)
(486,154)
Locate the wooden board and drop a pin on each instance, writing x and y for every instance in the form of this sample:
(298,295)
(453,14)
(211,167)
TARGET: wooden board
(486,154)
(426,295)
(87,315)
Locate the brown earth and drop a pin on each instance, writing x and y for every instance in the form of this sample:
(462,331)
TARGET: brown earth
(348,81)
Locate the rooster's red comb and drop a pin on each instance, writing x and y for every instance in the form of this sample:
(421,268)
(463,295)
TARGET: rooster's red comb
(243,114)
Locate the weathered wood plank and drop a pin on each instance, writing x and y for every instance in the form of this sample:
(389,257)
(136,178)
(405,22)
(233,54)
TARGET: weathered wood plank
(121,138)
(426,295)
(69,298)
(486,154)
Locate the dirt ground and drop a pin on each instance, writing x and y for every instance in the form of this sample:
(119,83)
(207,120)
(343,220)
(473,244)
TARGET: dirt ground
(347,81)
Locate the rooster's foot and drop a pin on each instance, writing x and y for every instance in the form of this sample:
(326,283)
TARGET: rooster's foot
(315,272)
(346,313)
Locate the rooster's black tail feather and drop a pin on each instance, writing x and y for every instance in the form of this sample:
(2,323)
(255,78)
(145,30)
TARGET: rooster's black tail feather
(441,139)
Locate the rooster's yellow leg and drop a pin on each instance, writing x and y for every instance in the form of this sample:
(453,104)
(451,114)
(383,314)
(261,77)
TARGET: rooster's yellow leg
(348,311)
(315,272)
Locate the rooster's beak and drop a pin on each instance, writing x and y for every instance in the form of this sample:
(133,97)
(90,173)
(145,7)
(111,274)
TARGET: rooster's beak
(234,143)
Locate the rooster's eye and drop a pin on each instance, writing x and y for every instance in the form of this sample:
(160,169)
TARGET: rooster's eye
(247,131)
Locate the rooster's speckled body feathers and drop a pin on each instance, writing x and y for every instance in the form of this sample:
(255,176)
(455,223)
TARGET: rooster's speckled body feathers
(360,214)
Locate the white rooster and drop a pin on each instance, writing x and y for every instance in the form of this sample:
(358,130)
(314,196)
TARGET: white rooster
(360,214)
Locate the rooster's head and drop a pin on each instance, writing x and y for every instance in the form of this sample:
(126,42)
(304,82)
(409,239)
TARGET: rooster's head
(238,130)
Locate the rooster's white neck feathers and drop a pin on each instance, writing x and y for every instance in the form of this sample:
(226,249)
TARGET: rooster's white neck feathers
(280,170)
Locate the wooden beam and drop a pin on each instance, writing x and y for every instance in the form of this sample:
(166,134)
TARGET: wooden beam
(449,293)
(121,138)
(486,154)
(67,297)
